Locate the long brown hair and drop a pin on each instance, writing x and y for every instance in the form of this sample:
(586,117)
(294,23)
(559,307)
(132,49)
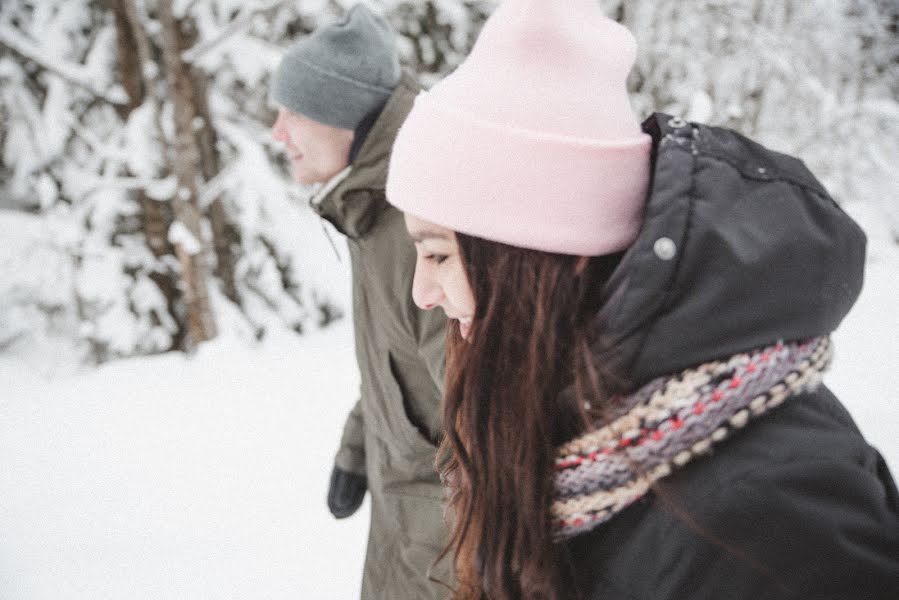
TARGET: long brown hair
(505,413)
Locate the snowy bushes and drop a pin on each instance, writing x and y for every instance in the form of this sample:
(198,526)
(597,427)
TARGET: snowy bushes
(114,135)
(814,78)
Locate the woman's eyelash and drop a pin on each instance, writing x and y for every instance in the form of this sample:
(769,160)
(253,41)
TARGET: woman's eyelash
(437,258)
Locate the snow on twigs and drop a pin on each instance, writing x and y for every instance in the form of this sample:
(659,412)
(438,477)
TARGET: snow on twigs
(181,236)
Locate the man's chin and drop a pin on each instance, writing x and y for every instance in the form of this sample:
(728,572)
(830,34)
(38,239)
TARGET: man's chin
(304,178)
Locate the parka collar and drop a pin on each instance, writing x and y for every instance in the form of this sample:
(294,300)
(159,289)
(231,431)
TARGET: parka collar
(354,198)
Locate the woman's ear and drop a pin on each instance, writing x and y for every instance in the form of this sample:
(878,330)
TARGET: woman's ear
(581,264)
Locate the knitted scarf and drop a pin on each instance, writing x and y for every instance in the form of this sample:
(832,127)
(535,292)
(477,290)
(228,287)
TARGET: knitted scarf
(670,421)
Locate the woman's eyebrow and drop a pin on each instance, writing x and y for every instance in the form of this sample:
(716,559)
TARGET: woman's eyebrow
(425,234)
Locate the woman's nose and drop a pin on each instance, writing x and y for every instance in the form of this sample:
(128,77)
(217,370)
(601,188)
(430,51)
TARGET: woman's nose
(426,292)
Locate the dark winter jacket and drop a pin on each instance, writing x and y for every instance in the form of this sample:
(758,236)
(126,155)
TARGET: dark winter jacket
(391,434)
(797,504)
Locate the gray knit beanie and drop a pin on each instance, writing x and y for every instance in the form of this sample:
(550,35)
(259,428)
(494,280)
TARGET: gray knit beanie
(341,72)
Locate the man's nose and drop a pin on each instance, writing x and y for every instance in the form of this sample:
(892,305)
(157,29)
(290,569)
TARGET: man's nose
(278,132)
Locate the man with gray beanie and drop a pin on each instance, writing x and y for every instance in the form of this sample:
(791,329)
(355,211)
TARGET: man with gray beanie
(342,97)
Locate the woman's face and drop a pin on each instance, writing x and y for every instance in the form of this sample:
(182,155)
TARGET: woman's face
(440,278)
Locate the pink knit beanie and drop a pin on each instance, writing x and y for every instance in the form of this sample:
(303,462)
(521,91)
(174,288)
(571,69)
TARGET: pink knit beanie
(532,140)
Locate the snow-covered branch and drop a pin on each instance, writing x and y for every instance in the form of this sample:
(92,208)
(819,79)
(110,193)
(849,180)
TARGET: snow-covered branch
(213,188)
(243,19)
(158,189)
(72,72)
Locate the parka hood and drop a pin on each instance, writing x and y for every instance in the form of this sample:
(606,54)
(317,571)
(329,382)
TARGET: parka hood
(740,247)
(353,204)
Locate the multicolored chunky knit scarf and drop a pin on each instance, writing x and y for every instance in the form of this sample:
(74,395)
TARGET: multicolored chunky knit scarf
(670,421)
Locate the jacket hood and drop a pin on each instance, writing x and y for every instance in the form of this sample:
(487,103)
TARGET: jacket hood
(740,247)
(353,204)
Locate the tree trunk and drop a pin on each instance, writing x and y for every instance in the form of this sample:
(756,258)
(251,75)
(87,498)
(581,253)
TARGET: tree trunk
(224,235)
(156,218)
(194,270)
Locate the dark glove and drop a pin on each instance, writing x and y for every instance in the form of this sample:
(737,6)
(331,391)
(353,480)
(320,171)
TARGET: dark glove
(345,493)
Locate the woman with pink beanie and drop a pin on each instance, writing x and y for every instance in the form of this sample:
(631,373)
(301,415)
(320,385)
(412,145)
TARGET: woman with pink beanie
(639,323)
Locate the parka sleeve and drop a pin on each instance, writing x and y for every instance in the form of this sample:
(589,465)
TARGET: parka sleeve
(810,529)
(837,524)
(351,454)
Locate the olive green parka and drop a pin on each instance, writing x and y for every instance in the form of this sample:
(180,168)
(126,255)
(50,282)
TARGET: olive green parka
(392,432)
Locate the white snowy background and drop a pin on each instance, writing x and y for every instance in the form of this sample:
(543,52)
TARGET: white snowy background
(140,475)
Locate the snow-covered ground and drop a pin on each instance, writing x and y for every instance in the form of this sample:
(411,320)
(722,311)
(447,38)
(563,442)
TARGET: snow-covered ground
(179,477)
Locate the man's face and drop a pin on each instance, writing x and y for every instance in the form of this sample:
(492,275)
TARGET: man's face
(316,151)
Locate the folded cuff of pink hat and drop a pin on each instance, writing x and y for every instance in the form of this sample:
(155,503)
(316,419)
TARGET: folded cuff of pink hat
(523,188)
